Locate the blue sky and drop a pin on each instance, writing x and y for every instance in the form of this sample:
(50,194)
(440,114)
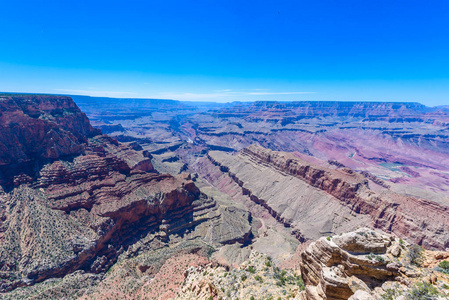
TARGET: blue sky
(228,50)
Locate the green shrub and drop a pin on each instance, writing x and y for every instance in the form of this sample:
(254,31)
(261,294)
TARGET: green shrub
(280,276)
(415,255)
(258,278)
(299,282)
(444,265)
(268,262)
(391,294)
(251,269)
(422,291)
(380,259)
(243,277)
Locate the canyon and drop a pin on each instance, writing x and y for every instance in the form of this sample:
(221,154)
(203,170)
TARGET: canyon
(105,198)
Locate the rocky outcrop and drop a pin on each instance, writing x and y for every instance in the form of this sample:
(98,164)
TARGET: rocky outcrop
(370,265)
(335,268)
(256,278)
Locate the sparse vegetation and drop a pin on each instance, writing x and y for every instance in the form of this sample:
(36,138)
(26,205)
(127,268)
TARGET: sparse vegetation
(251,269)
(210,251)
(422,291)
(299,282)
(380,259)
(391,294)
(415,255)
(268,262)
(444,266)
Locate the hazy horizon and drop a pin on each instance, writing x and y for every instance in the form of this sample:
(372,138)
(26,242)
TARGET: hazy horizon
(221,102)
(229,51)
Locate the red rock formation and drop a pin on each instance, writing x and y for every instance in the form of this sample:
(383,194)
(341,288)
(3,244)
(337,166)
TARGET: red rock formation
(80,197)
(41,127)
(391,212)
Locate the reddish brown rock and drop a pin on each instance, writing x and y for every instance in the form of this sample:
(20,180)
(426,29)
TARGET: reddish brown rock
(41,127)
(392,212)
(81,199)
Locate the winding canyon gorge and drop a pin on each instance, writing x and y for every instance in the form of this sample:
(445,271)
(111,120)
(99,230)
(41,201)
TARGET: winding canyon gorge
(104,198)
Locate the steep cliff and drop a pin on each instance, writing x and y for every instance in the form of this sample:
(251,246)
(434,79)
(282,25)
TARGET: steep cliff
(270,177)
(35,129)
(74,199)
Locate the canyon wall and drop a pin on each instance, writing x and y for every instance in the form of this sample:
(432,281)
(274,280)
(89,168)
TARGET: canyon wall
(74,199)
(270,177)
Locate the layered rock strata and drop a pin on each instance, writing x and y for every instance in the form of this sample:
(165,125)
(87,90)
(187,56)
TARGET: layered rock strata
(370,265)
(80,199)
(35,129)
(335,268)
(291,189)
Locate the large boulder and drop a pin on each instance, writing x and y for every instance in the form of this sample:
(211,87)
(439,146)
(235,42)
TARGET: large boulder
(336,268)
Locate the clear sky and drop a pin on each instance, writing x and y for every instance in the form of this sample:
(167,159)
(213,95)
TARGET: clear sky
(228,50)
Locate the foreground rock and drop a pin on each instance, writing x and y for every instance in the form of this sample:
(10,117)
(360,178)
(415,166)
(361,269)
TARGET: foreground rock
(366,264)
(256,278)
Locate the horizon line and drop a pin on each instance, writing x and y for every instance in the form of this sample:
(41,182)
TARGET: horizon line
(212,101)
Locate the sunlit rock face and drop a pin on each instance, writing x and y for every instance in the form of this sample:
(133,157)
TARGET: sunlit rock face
(74,199)
(318,198)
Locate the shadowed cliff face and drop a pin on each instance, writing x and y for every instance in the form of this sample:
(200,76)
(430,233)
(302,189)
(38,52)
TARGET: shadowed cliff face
(35,129)
(80,199)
